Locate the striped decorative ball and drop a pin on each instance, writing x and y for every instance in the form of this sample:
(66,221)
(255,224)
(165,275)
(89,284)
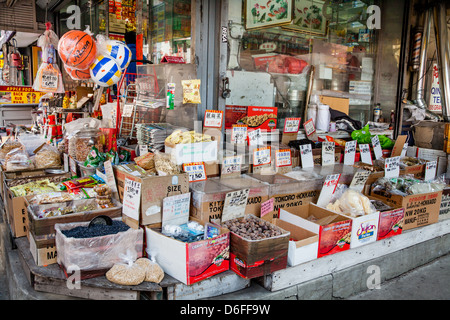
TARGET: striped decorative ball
(104,71)
(119,51)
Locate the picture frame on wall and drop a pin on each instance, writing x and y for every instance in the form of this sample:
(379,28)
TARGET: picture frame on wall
(308,18)
(267,13)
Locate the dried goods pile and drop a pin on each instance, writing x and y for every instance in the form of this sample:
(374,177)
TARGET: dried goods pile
(252,228)
(96,230)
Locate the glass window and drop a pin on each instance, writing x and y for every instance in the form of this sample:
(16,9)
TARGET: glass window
(276,43)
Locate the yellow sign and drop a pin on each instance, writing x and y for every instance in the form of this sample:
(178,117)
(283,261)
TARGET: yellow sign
(19,94)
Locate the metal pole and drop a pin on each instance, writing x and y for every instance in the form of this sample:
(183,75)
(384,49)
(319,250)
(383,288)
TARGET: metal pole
(443,52)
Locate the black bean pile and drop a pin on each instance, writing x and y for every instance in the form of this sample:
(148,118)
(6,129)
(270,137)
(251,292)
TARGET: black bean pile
(252,228)
(96,230)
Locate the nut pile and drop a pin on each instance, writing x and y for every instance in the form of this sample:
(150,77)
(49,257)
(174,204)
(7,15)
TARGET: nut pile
(252,228)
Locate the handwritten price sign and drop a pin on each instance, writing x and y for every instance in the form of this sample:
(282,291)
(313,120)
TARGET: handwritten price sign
(350,151)
(283,158)
(213,119)
(392,167)
(238,133)
(309,127)
(262,156)
(329,186)
(306,156)
(196,171)
(291,125)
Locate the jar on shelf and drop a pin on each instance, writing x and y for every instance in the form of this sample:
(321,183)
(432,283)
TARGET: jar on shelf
(82,142)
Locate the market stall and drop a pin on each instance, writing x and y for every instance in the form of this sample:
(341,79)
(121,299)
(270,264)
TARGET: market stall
(128,187)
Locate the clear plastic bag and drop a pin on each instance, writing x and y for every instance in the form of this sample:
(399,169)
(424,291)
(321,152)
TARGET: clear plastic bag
(164,165)
(48,77)
(18,159)
(350,202)
(153,271)
(10,145)
(47,156)
(127,272)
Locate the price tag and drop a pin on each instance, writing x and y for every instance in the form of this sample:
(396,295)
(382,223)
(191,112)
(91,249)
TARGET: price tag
(73,166)
(213,119)
(404,149)
(376,147)
(66,162)
(306,156)
(309,127)
(283,158)
(261,156)
(366,156)
(359,180)
(176,209)
(329,186)
(327,153)
(235,204)
(291,125)
(131,199)
(255,137)
(267,207)
(231,165)
(238,133)
(110,178)
(196,171)
(430,170)
(392,167)
(143,149)
(349,153)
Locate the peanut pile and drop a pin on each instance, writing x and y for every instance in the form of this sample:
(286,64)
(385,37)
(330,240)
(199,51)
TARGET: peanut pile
(252,228)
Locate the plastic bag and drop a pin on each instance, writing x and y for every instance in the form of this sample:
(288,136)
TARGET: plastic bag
(191,91)
(408,185)
(48,77)
(18,159)
(47,156)
(153,271)
(350,202)
(10,145)
(126,272)
(146,162)
(164,165)
(362,136)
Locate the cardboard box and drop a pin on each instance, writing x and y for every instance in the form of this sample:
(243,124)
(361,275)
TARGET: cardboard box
(153,190)
(339,104)
(303,244)
(290,194)
(390,223)
(255,117)
(256,258)
(334,229)
(43,252)
(208,196)
(420,209)
(444,210)
(189,262)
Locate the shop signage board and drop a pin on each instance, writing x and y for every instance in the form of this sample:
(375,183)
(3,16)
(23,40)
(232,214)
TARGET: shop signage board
(19,94)
(434,103)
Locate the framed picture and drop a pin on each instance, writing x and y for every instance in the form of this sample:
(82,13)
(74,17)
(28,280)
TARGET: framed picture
(308,17)
(267,13)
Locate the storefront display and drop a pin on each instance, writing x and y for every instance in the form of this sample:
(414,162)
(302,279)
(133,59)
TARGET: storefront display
(144,160)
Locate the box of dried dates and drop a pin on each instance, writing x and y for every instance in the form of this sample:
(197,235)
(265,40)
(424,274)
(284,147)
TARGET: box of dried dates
(257,247)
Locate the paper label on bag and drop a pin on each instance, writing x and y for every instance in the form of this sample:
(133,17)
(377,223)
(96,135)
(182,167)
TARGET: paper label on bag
(110,178)
(366,156)
(329,186)
(377,147)
(291,125)
(235,204)
(349,153)
(176,209)
(430,170)
(131,199)
(309,127)
(231,165)
(261,156)
(267,207)
(73,166)
(283,158)
(306,156)
(392,167)
(328,153)
(195,170)
(238,133)
(213,119)
(66,162)
(255,137)
(143,149)
(359,180)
